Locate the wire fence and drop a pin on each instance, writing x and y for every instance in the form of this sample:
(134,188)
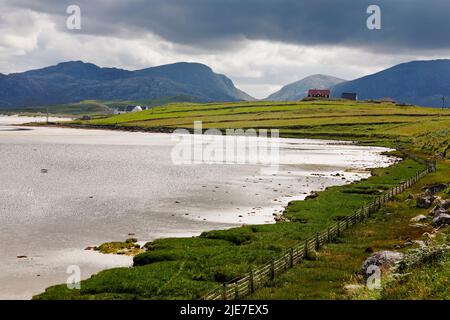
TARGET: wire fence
(257,278)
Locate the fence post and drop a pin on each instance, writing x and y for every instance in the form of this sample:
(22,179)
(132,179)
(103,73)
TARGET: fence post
(317,241)
(272,269)
(306,249)
(328,235)
(339,228)
(292,257)
(252,284)
(224,293)
(236,291)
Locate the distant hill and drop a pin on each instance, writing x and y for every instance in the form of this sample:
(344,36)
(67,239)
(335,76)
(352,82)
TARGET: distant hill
(418,82)
(71,82)
(299,89)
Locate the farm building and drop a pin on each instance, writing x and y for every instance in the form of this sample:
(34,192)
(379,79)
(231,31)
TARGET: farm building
(349,96)
(319,93)
(129,109)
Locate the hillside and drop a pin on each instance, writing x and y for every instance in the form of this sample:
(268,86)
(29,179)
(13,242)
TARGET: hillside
(418,82)
(75,81)
(299,89)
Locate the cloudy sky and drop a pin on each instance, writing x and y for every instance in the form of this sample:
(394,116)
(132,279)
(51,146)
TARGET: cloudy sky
(260,44)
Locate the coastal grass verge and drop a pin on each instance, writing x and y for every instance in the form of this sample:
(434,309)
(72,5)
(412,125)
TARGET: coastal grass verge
(337,269)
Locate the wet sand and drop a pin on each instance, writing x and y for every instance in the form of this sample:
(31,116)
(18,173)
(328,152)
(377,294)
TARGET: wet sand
(65,189)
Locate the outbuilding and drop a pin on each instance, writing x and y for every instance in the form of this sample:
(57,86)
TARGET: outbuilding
(349,96)
(128,109)
(319,93)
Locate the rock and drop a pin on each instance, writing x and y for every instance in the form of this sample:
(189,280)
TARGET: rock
(407,243)
(417,225)
(382,259)
(437,210)
(336,175)
(430,190)
(442,219)
(280,217)
(445,204)
(313,195)
(419,218)
(424,201)
(440,210)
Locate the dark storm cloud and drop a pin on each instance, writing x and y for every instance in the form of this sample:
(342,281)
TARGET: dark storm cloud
(406,24)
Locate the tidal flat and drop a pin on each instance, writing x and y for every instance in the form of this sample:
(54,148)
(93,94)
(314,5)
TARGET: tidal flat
(63,190)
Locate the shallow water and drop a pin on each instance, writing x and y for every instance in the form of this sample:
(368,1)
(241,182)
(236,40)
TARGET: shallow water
(62,190)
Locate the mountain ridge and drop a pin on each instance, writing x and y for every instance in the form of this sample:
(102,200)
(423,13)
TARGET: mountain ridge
(299,89)
(421,82)
(74,81)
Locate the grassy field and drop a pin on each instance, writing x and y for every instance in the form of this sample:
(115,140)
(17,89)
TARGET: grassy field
(368,122)
(186,268)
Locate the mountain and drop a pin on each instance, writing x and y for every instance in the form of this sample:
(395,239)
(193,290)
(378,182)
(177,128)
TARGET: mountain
(419,82)
(75,81)
(299,89)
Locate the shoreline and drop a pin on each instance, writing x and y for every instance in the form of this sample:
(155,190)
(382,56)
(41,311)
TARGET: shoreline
(238,223)
(250,226)
(167,130)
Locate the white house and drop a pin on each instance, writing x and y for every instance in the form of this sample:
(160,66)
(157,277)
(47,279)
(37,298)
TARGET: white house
(129,109)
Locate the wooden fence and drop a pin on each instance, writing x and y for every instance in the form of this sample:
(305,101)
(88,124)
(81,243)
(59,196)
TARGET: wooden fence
(247,284)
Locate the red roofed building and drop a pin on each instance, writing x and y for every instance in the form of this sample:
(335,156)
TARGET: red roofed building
(319,93)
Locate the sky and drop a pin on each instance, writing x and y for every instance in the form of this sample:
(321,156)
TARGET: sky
(260,44)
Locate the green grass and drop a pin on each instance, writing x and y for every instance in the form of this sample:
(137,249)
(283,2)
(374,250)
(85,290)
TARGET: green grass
(429,282)
(128,247)
(340,263)
(186,268)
